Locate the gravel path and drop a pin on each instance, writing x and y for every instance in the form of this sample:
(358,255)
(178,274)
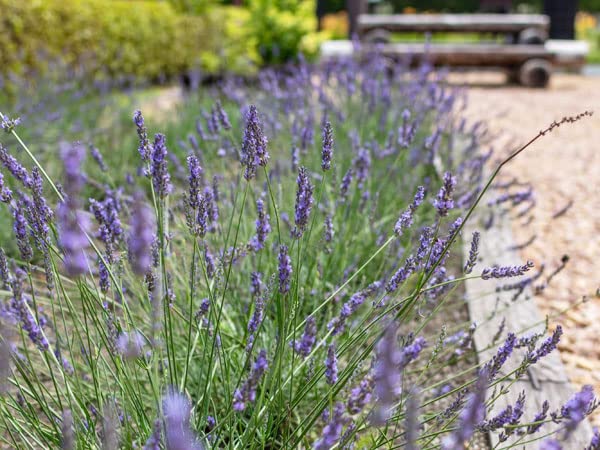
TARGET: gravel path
(564,168)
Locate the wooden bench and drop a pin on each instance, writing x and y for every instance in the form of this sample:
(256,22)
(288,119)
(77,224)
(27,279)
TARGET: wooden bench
(522,28)
(530,65)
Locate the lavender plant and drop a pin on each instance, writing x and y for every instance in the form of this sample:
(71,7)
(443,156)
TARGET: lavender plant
(177,315)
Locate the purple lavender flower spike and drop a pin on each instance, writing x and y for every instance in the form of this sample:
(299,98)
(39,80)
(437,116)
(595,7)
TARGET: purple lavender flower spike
(471,415)
(8,124)
(254,144)
(328,233)
(304,201)
(285,270)
(550,444)
(401,275)
(263,227)
(327,152)
(411,423)
(177,410)
(195,180)
(386,375)
(345,184)
(549,345)
(331,369)
(14,167)
(130,345)
(67,439)
(360,396)
(144,146)
(443,202)
(506,271)
(161,180)
(20,228)
(333,430)
(539,417)
(578,407)
(406,219)
(306,343)
(141,236)
(97,156)
(473,253)
(255,284)
(362,165)
(222,116)
(247,393)
(595,442)
(73,223)
(295,160)
(153,441)
(20,310)
(495,364)
(5,192)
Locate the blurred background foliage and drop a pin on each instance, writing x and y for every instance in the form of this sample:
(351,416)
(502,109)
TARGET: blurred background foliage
(160,40)
(151,40)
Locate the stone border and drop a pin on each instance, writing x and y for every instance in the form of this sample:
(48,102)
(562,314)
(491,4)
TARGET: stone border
(545,380)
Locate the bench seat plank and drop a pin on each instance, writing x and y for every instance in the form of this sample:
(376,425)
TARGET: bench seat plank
(480,23)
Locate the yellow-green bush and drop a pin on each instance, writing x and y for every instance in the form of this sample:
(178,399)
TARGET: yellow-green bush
(282,27)
(101,37)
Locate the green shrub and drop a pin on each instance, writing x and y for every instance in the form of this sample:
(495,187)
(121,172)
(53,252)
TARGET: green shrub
(281,26)
(117,38)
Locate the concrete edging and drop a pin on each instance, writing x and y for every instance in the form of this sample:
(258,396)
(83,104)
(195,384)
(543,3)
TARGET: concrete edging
(545,380)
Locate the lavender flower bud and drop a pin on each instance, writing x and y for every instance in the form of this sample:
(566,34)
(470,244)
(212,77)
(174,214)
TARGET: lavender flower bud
(304,201)
(8,124)
(331,369)
(495,364)
(345,184)
(161,180)
(222,116)
(144,146)
(67,440)
(153,442)
(546,347)
(130,345)
(406,219)
(97,156)
(285,270)
(20,229)
(550,444)
(471,415)
(333,430)
(578,407)
(327,152)
(539,417)
(73,223)
(506,271)
(179,435)
(247,393)
(263,227)
(360,396)
(141,236)
(328,234)
(473,253)
(254,144)
(595,442)
(5,192)
(443,202)
(14,167)
(306,343)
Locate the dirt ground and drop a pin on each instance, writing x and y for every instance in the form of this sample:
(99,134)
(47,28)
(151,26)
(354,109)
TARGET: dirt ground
(564,168)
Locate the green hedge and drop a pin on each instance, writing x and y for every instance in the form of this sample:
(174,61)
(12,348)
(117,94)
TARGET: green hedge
(116,38)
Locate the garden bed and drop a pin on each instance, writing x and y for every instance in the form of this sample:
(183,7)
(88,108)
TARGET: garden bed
(295,300)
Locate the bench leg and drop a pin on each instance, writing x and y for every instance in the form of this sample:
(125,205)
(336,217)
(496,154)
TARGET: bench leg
(535,73)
